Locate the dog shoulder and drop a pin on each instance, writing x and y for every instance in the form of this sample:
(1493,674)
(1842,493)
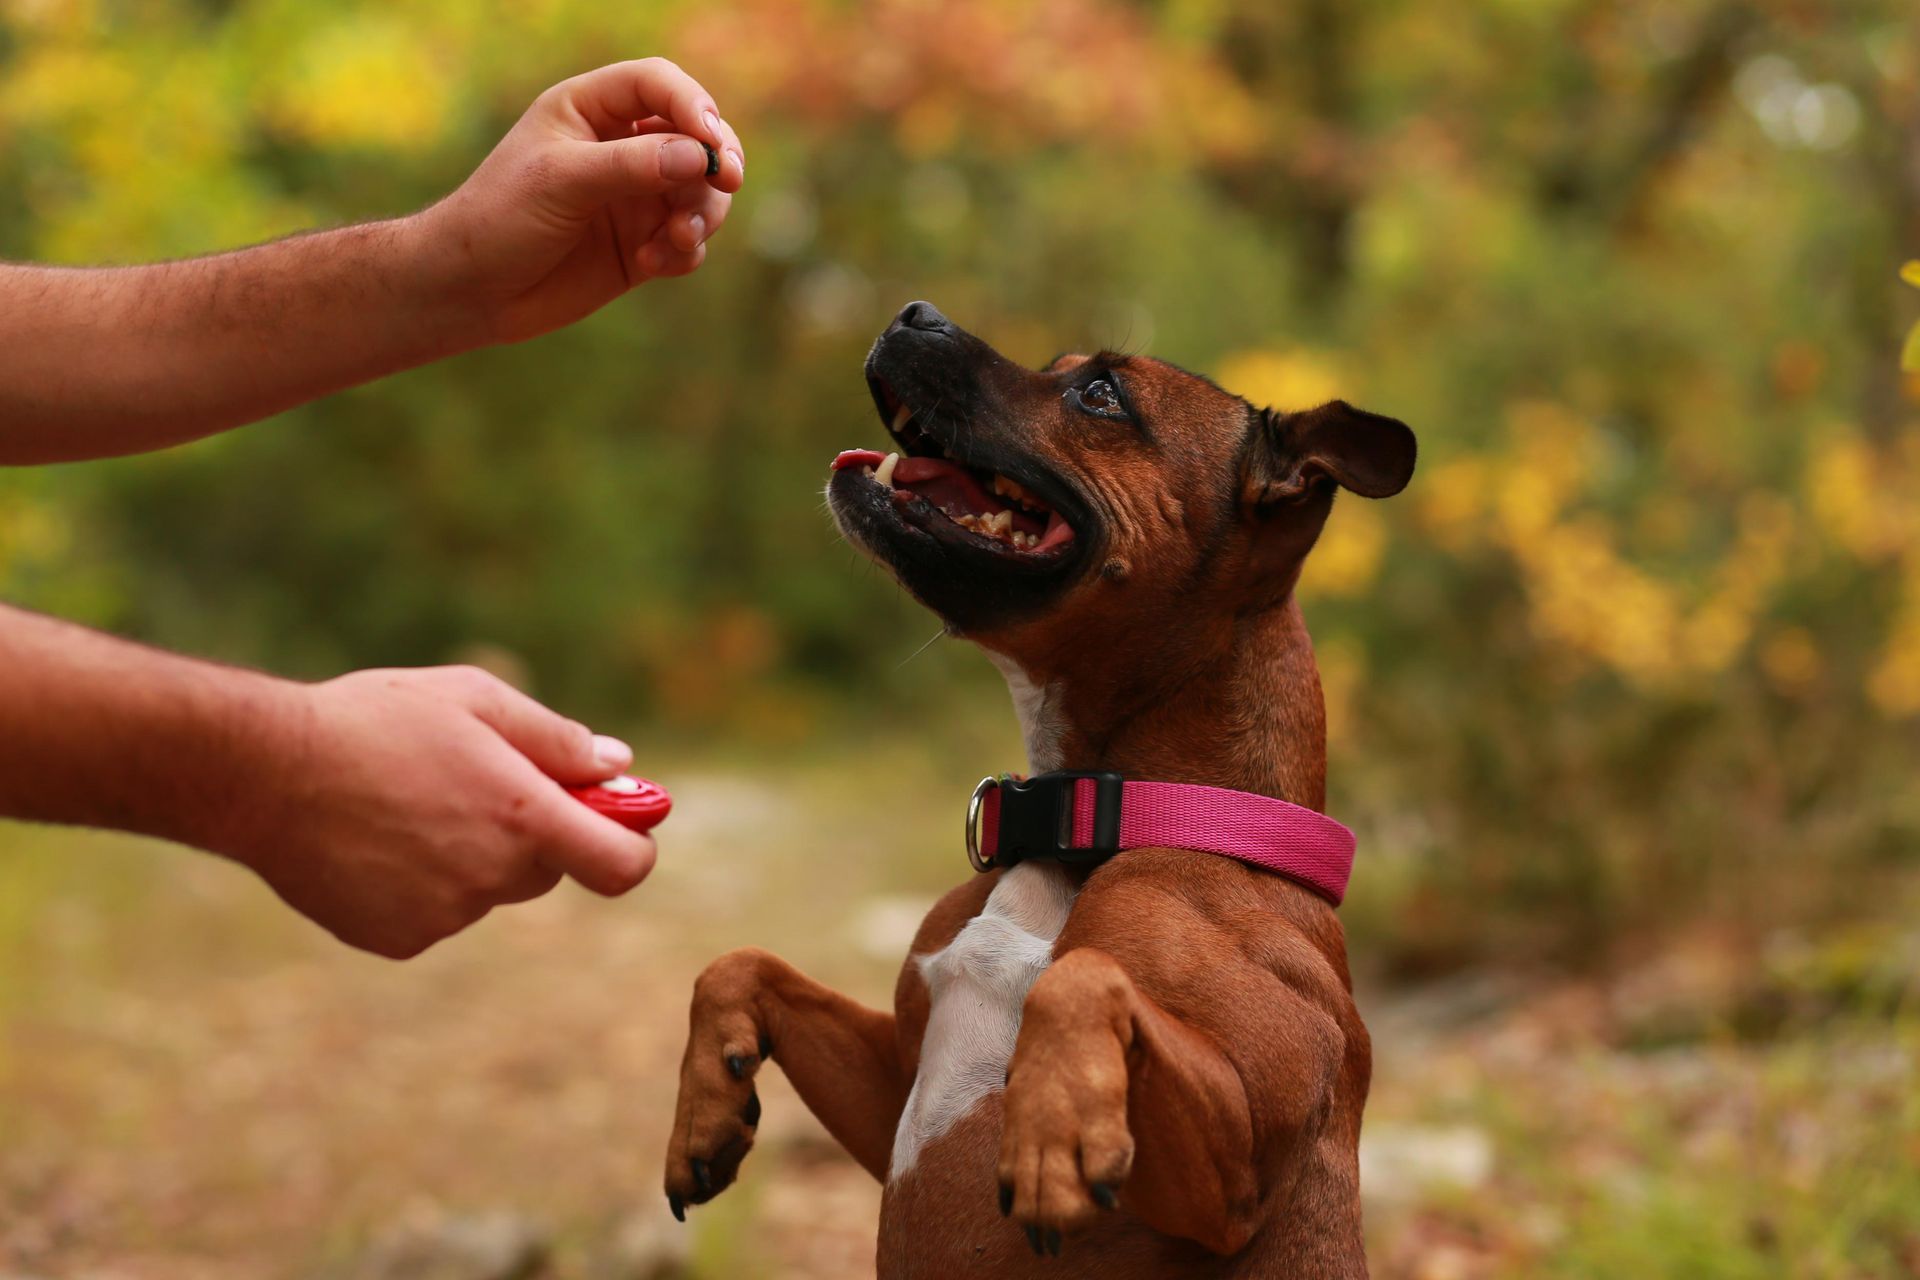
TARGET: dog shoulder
(1184,904)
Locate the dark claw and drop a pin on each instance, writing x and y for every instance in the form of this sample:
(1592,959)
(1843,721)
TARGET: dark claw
(1053,1242)
(678,1206)
(752,1114)
(1006,1199)
(1033,1240)
(702,1176)
(766,1047)
(737,1065)
(1103,1196)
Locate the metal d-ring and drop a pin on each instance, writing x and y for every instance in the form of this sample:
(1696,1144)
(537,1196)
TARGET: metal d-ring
(979,860)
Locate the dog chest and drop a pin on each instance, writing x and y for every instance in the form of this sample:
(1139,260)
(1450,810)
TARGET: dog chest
(976,986)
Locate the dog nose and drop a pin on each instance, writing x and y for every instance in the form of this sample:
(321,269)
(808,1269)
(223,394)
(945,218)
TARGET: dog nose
(924,316)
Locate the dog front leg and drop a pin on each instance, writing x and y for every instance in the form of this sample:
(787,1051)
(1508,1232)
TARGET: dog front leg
(750,1007)
(1111,1100)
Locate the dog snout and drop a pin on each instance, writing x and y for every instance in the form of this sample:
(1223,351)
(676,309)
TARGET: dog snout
(923,316)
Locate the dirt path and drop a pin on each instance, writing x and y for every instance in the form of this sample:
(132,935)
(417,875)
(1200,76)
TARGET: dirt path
(195,1084)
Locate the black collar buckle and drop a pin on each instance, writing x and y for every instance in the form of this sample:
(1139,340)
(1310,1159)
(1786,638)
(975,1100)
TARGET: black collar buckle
(1036,820)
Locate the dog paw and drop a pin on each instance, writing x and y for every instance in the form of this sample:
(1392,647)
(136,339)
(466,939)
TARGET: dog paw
(1065,1149)
(718,1110)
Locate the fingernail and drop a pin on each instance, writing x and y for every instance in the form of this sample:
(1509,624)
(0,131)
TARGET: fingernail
(739,161)
(698,225)
(684,158)
(611,754)
(712,122)
(713,160)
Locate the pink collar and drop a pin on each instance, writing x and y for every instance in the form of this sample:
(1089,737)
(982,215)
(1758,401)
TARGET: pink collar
(1085,818)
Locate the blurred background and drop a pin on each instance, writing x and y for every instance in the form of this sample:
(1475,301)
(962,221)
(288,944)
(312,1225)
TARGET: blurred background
(1625,689)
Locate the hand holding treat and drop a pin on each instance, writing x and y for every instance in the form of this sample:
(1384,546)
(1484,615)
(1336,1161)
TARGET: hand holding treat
(610,179)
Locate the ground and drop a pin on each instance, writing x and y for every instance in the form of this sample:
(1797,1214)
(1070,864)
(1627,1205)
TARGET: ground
(195,1083)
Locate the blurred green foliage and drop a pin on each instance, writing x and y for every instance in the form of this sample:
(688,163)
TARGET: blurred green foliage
(1640,645)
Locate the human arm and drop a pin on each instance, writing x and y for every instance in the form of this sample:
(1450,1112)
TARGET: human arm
(600,186)
(393,808)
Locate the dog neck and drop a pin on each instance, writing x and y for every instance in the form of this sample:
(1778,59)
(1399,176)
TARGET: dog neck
(1247,714)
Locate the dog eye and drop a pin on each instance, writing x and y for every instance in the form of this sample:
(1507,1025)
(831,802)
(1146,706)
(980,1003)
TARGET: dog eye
(1100,396)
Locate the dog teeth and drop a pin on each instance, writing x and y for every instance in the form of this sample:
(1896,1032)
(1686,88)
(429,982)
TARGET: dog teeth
(885,474)
(998,525)
(1009,488)
(900,416)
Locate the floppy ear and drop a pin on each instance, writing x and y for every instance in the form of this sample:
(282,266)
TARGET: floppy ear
(1366,452)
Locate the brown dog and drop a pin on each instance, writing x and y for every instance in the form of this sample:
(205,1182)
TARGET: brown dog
(1154,1065)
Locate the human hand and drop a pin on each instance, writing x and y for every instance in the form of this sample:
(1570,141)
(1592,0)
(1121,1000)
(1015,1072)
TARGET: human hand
(601,186)
(406,804)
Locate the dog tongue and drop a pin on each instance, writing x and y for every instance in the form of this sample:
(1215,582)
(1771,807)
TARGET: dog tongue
(944,484)
(1058,533)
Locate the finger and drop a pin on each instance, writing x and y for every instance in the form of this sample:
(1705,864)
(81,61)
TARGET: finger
(733,162)
(659,261)
(644,165)
(628,91)
(597,852)
(565,750)
(728,169)
(695,220)
(536,881)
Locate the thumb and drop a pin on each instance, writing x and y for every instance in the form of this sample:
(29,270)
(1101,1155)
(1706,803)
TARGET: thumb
(565,750)
(650,163)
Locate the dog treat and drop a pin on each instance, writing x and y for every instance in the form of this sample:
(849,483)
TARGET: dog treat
(634,803)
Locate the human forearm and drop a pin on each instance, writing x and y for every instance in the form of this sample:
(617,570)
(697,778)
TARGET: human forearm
(101,732)
(610,179)
(105,361)
(391,807)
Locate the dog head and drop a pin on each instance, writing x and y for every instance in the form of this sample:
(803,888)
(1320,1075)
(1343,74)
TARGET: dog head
(1099,498)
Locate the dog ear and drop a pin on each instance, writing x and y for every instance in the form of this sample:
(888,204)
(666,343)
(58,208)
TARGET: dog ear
(1369,453)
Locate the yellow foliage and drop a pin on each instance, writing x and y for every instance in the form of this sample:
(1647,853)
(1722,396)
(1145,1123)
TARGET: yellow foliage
(1349,552)
(56,84)
(1894,682)
(1343,665)
(1584,593)
(1295,378)
(368,80)
(1450,502)
(1552,455)
(1791,660)
(1845,488)
(31,532)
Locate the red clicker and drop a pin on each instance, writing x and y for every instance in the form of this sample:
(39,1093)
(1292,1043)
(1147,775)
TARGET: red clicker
(634,803)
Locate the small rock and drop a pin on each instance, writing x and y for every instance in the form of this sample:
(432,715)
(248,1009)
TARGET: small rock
(485,1246)
(1398,1163)
(884,927)
(647,1244)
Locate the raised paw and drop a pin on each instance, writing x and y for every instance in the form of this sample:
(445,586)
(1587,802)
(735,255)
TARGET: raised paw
(718,1110)
(1065,1150)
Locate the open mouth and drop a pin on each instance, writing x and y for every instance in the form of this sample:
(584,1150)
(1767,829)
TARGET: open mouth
(932,486)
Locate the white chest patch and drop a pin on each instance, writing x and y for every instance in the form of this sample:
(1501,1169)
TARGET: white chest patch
(978,984)
(1041,723)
